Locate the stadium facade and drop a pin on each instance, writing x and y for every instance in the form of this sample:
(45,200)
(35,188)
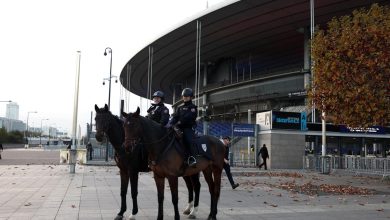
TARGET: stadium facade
(245,59)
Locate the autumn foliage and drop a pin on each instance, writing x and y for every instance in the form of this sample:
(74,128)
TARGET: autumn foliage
(351,64)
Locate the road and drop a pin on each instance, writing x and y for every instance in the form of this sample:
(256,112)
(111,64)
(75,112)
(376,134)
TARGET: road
(21,156)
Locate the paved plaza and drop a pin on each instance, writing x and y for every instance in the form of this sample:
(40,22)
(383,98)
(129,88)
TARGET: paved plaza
(50,192)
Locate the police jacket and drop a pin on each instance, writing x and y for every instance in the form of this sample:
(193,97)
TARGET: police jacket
(158,113)
(185,116)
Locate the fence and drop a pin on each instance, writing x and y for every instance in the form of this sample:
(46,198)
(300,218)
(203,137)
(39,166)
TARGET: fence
(359,165)
(99,153)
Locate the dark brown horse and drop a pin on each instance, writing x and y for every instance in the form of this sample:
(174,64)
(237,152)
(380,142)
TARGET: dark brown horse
(110,126)
(129,164)
(168,161)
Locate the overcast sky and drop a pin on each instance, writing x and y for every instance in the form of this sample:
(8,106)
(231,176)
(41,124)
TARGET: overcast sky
(39,40)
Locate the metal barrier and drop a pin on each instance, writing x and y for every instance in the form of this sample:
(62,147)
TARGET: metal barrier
(99,153)
(357,164)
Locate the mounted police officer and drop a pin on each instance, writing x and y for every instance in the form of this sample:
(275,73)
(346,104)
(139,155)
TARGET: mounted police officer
(158,112)
(185,119)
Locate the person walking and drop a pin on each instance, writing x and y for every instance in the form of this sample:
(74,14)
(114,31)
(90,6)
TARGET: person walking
(264,155)
(185,119)
(1,149)
(226,166)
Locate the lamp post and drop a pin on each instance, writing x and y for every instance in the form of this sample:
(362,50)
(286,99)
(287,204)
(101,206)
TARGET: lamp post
(109,79)
(40,136)
(6,101)
(108,50)
(28,115)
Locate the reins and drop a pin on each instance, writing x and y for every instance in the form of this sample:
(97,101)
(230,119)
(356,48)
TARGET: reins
(159,140)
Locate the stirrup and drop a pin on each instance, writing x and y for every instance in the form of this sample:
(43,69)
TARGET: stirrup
(191,161)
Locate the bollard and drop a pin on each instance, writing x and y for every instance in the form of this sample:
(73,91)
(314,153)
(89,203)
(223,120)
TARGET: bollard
(72,160)
(325,164)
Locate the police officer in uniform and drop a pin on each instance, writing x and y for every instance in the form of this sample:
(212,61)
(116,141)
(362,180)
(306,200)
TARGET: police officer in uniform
(185,119)
(158,112)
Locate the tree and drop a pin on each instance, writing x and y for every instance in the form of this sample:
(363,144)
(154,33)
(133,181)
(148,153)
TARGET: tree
(351,64)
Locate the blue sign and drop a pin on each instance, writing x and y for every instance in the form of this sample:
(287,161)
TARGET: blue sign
(289,120)
(244,130)
(369,130)
(303,121)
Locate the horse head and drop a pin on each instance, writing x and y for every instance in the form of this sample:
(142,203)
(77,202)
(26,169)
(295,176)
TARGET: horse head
(133,129)
(102,121)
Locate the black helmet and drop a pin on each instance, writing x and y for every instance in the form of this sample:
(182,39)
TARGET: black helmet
(187,92)
(158,94)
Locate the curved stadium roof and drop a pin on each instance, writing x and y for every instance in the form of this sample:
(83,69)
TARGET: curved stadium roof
(269,30)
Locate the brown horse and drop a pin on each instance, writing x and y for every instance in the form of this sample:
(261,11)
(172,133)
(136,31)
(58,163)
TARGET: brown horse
(111,127)
(167,161)
(129,164)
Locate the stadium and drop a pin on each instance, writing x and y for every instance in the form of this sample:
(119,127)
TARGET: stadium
(248,63)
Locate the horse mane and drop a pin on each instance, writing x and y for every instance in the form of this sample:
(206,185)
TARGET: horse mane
(119,120)
(147,120)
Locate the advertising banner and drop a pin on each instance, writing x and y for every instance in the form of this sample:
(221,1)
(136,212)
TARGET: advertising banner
(289,120)
(244,130)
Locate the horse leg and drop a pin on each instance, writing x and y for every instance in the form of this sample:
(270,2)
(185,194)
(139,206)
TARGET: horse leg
(208,175)
(190,205)
(160,182)
(217,190)
(196,185)
(173,184)
(134,193)
(124,184)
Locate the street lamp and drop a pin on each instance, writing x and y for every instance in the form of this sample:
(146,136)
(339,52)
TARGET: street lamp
(28,115)
(6,101)
(40,136)
(106,51)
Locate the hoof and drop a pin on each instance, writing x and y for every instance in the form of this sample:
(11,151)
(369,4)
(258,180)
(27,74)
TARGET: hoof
(119,217)
(193,213)
(188,209)
(211,218)
(132,217)
(192,216)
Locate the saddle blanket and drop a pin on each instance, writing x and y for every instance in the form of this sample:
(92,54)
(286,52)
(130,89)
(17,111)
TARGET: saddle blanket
(202,146)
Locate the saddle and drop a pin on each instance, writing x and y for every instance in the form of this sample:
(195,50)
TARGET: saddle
(199,144)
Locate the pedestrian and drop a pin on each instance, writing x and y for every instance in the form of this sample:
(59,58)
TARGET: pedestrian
(226,166)
(158,112)
(185,120)
(1,149)
(89,150)
(264,155)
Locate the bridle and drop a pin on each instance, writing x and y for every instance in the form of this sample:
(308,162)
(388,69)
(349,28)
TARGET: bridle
(105,124)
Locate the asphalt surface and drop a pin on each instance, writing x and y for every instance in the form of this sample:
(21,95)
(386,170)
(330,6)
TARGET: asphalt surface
(21,156)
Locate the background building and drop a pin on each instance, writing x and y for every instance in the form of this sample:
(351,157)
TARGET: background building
(247,57)
(12,111)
